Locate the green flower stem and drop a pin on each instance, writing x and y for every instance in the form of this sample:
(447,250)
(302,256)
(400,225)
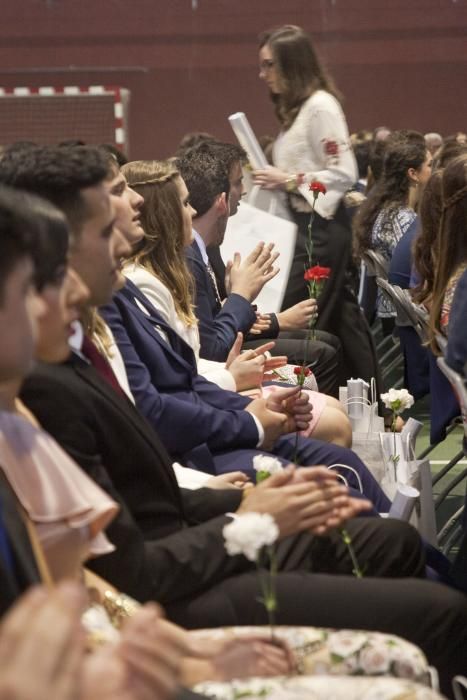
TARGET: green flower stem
(267,580)
(356,570)
(300,382)
(279,375)
(394,456)
(313,290)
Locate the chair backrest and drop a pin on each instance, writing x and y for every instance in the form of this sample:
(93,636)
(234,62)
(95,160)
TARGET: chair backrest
(442,342)
(376,264)
(367,294)
(408,313)
(405,316)
(422,316)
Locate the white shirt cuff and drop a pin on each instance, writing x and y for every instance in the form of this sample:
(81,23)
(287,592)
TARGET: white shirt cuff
(260,430)
(189,478)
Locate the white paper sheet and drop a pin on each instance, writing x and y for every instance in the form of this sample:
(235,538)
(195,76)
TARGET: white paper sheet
(248,227)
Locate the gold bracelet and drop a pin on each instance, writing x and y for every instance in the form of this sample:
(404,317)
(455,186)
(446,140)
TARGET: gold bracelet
(291,184)
(119,607)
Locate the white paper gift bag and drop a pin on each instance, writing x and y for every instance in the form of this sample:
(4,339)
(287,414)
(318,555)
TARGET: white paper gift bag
(360,401)
(407,470)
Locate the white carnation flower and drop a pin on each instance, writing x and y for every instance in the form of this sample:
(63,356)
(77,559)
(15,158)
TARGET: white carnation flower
(264,463)
(397,400)
(346,642)
(375,658)
(249,533)
(346,667)
(408,662)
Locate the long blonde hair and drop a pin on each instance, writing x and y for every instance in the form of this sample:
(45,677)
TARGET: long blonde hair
(161,252)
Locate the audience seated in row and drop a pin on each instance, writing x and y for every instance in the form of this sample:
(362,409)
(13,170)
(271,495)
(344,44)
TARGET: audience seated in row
(157,267)
(186,566)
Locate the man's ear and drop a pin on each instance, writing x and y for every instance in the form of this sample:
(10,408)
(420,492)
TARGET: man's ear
(222,204)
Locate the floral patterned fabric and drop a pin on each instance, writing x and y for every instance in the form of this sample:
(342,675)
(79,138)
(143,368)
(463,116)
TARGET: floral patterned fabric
(319,688)
(448,299)
(343,652)
(389,227)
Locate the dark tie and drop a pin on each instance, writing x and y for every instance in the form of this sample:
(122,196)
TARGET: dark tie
(101,364)
(5,552)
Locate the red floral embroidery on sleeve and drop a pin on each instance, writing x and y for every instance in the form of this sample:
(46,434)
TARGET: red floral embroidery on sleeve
(330,147)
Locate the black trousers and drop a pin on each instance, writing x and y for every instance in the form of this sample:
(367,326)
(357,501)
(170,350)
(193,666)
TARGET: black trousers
(315,587)
(339,312)
(323,355)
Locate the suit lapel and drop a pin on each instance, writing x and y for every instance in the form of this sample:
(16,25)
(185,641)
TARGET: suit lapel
(208,282)
(176,346)
(88,374)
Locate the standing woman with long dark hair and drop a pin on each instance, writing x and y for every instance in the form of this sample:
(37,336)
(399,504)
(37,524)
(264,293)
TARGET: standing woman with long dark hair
(314,144)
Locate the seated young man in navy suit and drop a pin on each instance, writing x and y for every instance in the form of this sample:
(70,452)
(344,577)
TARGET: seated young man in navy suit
(169,542)
(208,170)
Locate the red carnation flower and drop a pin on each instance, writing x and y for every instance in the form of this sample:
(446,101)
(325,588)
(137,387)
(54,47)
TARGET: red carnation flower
(299,371)
(317,188)
(317,273)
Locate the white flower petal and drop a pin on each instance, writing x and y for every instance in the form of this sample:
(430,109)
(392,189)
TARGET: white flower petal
(264,463)
(397,400)
(249,533)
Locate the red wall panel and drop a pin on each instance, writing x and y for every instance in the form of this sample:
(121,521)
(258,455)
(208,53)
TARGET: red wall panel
(189,63)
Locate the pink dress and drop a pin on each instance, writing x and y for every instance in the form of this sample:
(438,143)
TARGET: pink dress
(67,508)
(317,400)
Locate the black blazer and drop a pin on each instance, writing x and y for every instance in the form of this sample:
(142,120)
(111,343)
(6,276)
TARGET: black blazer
(169,540)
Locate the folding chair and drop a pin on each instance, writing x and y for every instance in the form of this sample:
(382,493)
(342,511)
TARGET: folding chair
(391,357)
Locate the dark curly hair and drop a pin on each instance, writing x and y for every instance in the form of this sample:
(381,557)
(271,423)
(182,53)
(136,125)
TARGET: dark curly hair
(31,227)
(405,150)
(57,173)
(206,168)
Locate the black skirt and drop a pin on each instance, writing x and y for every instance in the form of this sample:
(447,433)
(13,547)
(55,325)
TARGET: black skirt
(338,309)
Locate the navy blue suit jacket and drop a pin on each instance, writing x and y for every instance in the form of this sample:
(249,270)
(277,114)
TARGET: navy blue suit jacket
(218,325)
(197,421)
(400,267)
(186,409)
(456,353)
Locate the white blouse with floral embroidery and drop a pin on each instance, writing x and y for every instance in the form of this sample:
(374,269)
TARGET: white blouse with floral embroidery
(318,145)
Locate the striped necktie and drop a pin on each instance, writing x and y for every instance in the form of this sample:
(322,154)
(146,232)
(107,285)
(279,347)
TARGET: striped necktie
(214,282)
